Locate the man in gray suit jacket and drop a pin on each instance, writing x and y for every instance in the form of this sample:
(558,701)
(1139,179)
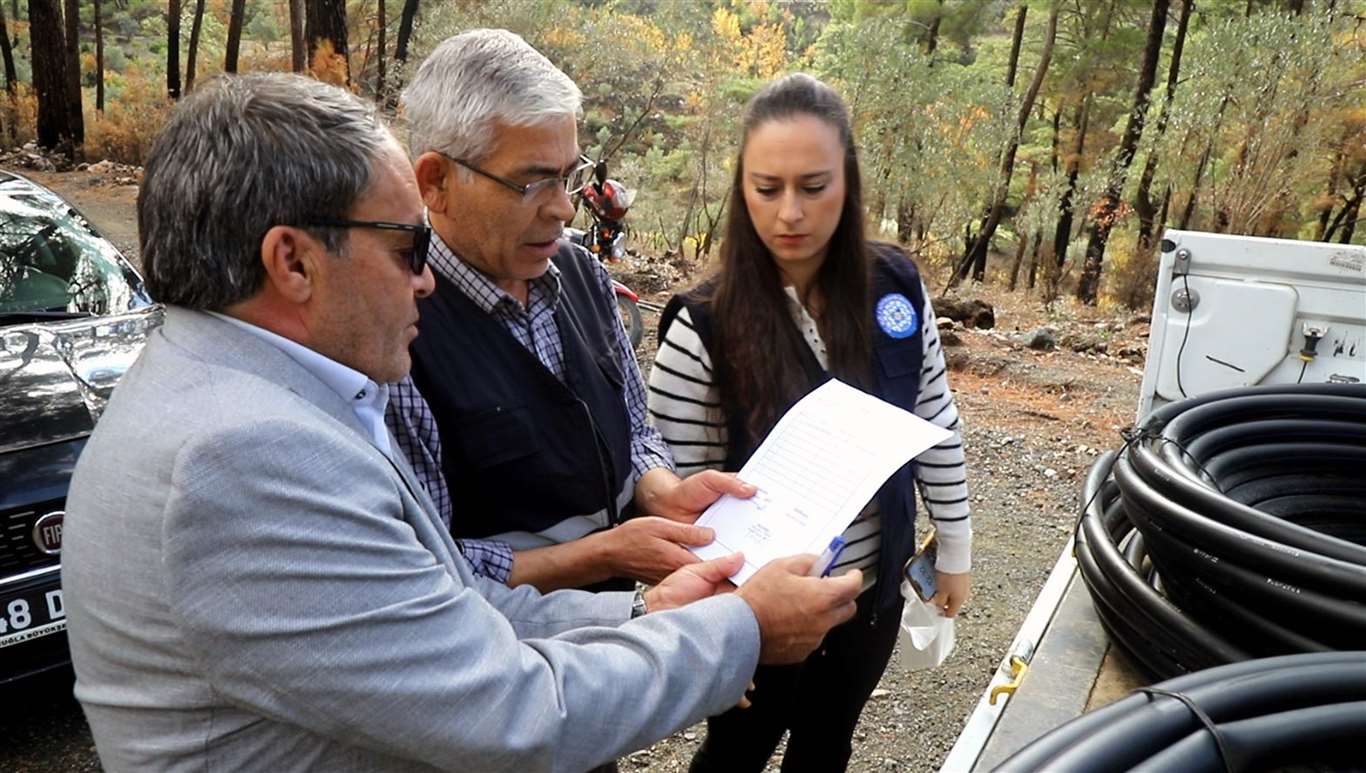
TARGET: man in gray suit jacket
(255,582)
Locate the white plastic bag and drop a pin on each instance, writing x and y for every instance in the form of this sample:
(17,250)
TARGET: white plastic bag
(927,637)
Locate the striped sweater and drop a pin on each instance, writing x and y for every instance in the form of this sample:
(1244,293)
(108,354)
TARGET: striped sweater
(685,405)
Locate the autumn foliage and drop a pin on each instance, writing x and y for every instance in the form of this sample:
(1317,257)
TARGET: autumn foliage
(1258,128)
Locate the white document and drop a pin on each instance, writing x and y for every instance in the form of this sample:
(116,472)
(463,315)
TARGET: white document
(825,459)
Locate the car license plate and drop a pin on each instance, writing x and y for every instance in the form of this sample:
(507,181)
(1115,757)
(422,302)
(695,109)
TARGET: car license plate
(29,615)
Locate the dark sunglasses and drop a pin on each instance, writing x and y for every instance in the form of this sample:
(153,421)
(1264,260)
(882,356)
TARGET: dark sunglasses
(422,235)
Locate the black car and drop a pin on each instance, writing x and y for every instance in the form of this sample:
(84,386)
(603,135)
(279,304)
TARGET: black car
(73,316)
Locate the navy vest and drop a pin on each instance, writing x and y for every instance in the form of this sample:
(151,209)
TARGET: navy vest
(522,451)
(896,372)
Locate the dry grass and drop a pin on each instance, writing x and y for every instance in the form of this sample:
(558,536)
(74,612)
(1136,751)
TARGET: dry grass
(19,115)
(124,131)
(1024,406)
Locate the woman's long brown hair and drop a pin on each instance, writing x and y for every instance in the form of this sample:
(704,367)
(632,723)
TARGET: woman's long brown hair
(755,336)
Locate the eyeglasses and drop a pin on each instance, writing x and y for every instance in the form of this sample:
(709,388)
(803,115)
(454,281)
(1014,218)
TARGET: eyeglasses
(422,235)
(572,182)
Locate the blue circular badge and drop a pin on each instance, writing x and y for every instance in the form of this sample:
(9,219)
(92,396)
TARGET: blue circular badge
(897,316)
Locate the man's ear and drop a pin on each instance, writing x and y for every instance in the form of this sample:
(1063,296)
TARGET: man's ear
(430,169)
(290,257)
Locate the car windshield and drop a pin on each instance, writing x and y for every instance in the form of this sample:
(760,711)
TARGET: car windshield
(52,261)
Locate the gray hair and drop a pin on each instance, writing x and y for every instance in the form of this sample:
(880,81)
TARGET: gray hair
(478,79)
(240,155)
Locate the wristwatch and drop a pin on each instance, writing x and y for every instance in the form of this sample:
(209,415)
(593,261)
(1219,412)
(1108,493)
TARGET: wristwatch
(638,603)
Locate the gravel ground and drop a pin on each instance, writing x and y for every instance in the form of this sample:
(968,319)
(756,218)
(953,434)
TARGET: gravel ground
(1033,422)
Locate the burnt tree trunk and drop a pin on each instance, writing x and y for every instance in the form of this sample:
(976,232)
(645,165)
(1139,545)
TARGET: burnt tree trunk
(72,55)
(8,113)
(7,51)
(1166,207)
(325,20)
(379,63)
(1016,39)
(234,44)
(401,40)
(173,49)
(1062,235)
(905,222)
(71,17)
(932,35)
(298,47)
(979,254)
(1104,221)
(1321,230)
(99,59)
(1031,189)
(56,128)
(1034,259)
(1188,209)
(1351,207)
(1326,214)
(191,60)
(1144,204)
(1353,218)
(1053,144)
(1015,264)
(405,31)
(976,254)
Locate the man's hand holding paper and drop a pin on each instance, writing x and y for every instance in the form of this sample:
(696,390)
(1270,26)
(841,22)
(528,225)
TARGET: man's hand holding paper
(825,459)
(795,611)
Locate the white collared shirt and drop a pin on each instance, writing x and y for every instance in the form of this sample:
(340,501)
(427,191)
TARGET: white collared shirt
(365,397)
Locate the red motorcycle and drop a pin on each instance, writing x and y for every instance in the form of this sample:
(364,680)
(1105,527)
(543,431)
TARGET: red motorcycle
(607,202)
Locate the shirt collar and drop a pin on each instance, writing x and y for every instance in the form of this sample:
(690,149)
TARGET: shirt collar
(478,286)
(355,388)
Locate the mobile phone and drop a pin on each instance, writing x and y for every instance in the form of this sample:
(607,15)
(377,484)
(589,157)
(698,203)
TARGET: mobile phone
(919,570)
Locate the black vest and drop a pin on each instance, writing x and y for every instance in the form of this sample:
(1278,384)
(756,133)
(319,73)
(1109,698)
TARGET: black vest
(897,364)
(522,451)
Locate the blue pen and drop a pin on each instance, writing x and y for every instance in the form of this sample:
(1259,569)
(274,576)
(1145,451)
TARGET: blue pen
(826,561)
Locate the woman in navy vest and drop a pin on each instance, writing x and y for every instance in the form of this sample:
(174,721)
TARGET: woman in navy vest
(801,297)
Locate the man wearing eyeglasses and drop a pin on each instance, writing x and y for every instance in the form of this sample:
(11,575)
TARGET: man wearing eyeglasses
(254,580)
(525,417)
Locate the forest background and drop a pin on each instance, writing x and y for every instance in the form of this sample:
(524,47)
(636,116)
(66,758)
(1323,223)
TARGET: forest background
(1043,145)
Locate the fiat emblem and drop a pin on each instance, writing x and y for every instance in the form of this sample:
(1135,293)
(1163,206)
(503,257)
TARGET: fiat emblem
(47,532)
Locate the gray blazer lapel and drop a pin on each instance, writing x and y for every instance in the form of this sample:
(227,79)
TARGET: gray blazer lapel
(422,517)
(213,340)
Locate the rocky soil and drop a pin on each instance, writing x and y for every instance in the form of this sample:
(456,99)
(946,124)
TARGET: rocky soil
(1034,420)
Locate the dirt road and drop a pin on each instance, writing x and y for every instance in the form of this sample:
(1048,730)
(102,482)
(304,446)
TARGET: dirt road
(1033,423)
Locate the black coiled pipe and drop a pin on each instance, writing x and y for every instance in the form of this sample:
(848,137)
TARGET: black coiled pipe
(1303,710)
(1232,526)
